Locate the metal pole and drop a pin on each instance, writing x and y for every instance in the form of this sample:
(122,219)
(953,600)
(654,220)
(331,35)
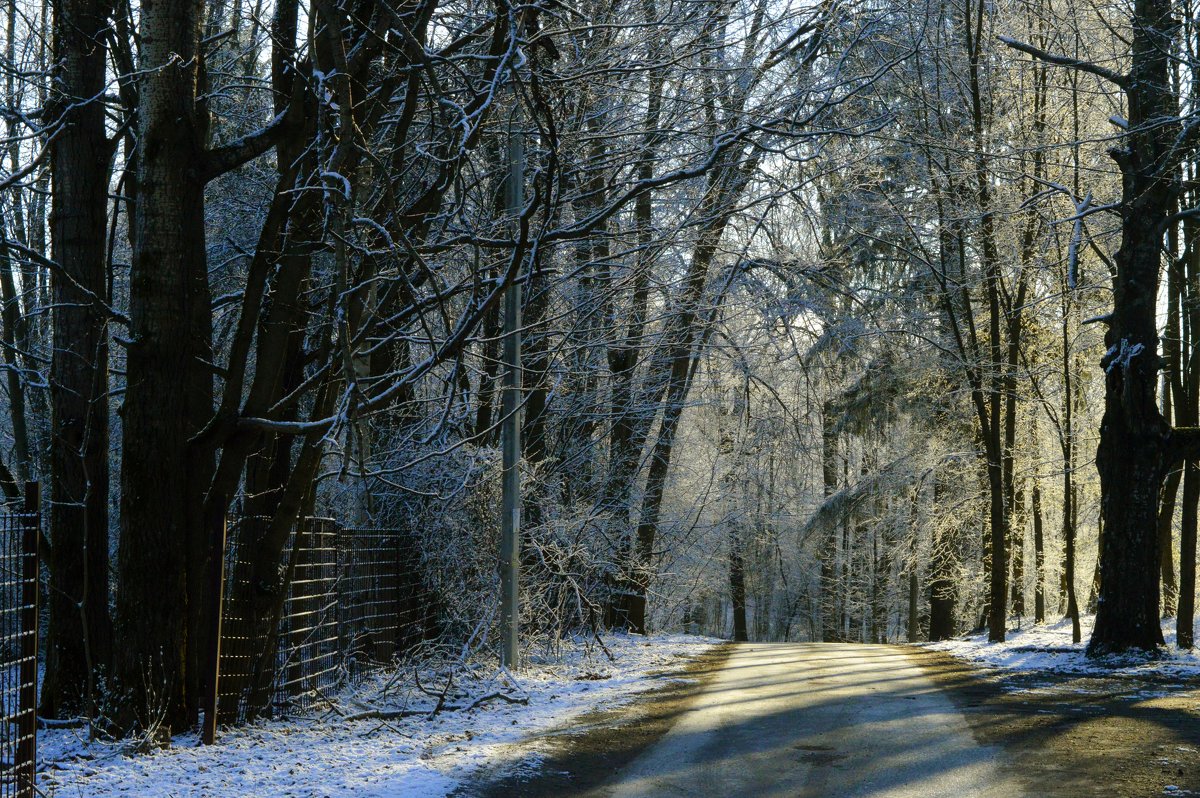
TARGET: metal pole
(510,430)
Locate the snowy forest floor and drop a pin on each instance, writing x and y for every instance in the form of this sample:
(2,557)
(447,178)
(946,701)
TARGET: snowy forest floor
(1120,727)
(330,754)
(1048,647)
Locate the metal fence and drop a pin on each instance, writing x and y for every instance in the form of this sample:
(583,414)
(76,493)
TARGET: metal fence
(19,533)
(385,608)
(355,601)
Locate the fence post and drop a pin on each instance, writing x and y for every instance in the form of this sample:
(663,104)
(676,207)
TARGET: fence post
(400,640)
(216,609)
(27,725)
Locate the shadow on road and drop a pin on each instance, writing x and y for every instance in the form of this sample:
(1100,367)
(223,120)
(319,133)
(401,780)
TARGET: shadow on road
(795,729)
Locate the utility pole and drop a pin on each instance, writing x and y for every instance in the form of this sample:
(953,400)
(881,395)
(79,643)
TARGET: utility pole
(510,430)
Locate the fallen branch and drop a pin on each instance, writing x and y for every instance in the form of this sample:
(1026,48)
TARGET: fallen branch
(386,714)
(61,723)
(479,701)
(393,714)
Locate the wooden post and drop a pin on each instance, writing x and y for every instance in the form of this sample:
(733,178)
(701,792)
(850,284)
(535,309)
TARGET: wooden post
(27,722)
(216,609)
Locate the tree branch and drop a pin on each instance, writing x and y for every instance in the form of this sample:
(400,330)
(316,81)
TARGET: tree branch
(1067,61)
(240,151)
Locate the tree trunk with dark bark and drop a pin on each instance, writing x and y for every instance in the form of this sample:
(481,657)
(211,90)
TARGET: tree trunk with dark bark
(79,642)
(1039,554)
(828,602)
(737,584)
(1133,457)
(1069,513)
(1187,413)
(1018,554)
(168,398)
(1172,389)
(941,580)
(1185,620)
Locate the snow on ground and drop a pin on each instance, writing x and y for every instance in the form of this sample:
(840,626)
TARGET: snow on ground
(329,755)
(1048,647)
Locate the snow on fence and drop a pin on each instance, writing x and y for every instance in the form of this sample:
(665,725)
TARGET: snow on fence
(354,601)
(19,646)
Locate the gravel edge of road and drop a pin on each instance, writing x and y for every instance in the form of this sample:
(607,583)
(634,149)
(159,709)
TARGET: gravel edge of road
(1073,736)
(589,752)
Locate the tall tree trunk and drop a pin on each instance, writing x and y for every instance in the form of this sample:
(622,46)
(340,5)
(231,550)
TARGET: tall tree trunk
(79,643)
(1166,522)
(163,553)
(830,628)
(536,370)
(1039,554)
(15,340)
(1069,515)
(1187,414)
(672,369)
(631,412)
(1172,389)
(1068,572)
(1185,621)
(1133,457)
(995,431)
(941,578)
(882,570)
(914,620)
(845,563)
(18,354)
(914,588)
(1018,554)
(737,584)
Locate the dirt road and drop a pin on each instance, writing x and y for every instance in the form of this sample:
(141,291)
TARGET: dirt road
(797,720)
(835,721)
(818,720)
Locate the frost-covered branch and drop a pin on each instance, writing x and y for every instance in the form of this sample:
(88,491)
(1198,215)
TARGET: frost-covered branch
(1067,61)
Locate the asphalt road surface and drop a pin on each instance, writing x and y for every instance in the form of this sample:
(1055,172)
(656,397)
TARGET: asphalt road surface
(817,721)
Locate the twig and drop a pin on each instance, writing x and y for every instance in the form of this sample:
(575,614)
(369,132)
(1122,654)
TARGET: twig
(441,704)
(603,647)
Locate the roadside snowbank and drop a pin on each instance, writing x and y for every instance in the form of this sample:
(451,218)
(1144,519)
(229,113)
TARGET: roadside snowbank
(1048,647)
(329,755)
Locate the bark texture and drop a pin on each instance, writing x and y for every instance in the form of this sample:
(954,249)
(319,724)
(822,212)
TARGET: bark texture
(1133,454)
(79,638)
(162,551)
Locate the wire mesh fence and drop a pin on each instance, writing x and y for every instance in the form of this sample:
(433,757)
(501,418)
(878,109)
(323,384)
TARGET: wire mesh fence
(19,647)
(354,600)
(309,661)
(386,608)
